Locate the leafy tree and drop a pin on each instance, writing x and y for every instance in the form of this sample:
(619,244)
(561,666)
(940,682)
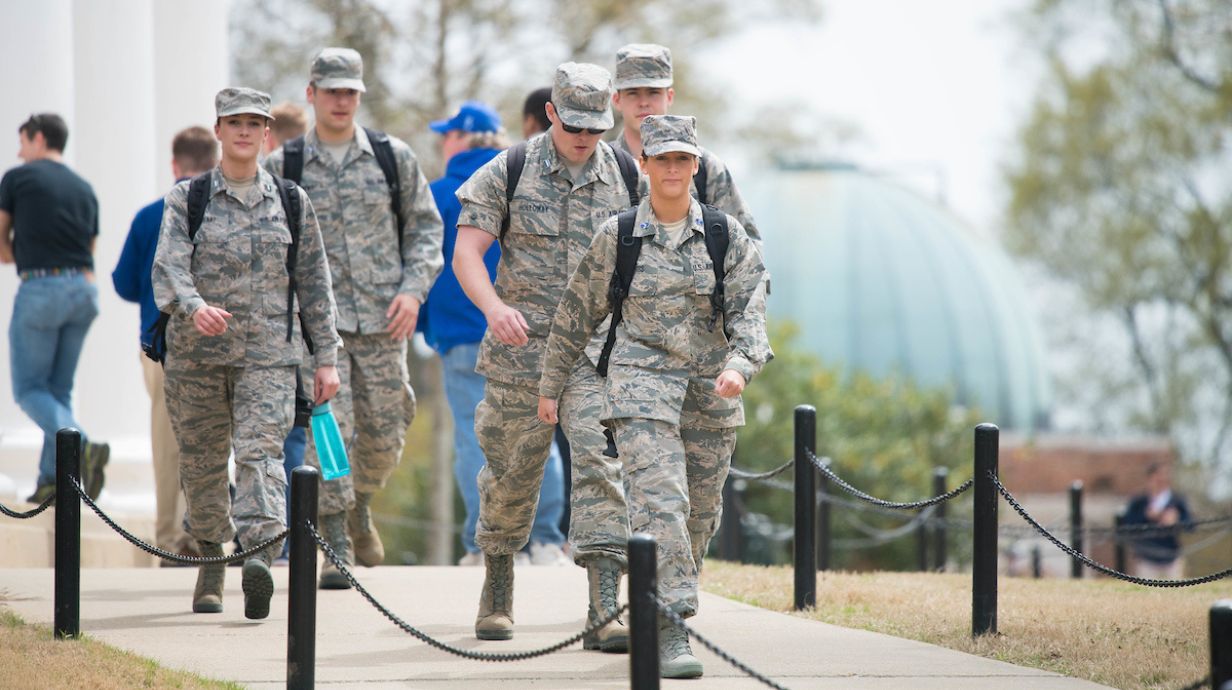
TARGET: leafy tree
(885,437)
(1119,188)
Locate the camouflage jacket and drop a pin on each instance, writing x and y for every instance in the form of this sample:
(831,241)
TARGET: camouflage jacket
(357,223)
(551,224)
(665,340)
(720,188)
(237,262)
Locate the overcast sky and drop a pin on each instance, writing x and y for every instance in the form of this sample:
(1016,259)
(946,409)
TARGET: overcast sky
(937,88)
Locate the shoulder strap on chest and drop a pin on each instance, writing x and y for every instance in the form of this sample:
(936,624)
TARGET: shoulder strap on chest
(717,239)
(288,193)
(384,152)
(515,161)
(628,249)
(198,199)
(629,173)
(293,159)
(699,181)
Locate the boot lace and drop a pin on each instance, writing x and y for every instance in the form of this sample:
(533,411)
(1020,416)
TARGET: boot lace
(674,641)
(499,569)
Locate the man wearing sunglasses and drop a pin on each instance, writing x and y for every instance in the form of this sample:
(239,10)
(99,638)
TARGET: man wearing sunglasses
(571,182)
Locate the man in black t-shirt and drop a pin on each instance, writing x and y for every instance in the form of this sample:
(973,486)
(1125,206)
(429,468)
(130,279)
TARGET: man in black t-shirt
(48,227)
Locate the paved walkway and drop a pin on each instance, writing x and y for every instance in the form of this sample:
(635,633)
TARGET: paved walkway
(147,611)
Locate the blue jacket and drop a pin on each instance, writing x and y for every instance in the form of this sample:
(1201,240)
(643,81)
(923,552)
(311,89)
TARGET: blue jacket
(131,276)
(448,317)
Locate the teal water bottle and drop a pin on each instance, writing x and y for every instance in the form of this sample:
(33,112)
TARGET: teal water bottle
(331,451)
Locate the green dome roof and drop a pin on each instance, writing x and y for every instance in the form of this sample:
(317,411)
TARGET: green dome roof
(883,281)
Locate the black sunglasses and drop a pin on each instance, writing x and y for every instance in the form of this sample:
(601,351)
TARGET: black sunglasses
(578,130)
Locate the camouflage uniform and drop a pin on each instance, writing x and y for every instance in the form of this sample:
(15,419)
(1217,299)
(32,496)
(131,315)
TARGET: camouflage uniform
(674,432)
(552,220)
(235,391)
(375,403)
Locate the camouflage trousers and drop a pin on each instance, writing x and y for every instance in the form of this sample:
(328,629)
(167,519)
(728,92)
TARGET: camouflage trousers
(214,410)
(598,514)
(373,407)
(516,444)
(673,480)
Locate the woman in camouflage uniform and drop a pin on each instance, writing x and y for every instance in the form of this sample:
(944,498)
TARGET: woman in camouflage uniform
(674,379)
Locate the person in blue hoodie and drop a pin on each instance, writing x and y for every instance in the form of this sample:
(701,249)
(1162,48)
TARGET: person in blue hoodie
(454,327)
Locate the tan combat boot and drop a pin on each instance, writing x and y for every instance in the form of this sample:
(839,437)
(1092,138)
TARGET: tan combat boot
(604,576)
(334,531)
(258,583)
(495,619)
(369,550)
(207,597)
(676,658)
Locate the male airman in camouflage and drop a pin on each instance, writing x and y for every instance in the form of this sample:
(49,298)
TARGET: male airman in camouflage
(644,87)
(233,346)
(382,270)
(674,379)
(570,185)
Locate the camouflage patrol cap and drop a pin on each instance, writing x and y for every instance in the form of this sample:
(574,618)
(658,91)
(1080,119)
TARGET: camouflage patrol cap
(666,133)
(338,68)
(582,95)
(238,100)
(643,64)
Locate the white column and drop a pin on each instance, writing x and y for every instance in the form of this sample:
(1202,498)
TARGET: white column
(114,69)
(191,64)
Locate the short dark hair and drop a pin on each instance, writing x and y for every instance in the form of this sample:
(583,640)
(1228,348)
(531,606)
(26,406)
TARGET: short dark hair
(52,127)
(534,106)
(194,149)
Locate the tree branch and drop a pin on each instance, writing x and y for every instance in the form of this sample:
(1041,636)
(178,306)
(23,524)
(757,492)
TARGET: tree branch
(1168,43)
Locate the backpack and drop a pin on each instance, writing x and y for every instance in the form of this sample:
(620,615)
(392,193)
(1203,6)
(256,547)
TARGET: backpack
(516,160)
(628,248)
(198,199)
(699,181)
(293,169)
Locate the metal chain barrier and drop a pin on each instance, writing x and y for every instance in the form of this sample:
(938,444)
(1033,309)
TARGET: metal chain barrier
(29,513)
(428,639)
(1022,512)
(677,621)
(760,476)
(175,557)
(913,505)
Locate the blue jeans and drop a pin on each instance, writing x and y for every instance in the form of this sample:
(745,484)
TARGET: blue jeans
(464,390)
(292,456)
(50,318)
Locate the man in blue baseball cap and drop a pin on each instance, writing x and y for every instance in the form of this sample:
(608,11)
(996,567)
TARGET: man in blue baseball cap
(454,327)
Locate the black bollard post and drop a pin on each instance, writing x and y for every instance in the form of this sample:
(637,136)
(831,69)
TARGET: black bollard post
(302,581)
(729,526)
(1119,541)
(806,494)
(1221,644)
(921,546)
(823,521)
(68,535)
(1037,562)
(643,614)
(984,537)
(1075,527)
(940,475)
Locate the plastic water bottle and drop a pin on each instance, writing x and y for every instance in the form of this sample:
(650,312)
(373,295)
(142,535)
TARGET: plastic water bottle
(331,451)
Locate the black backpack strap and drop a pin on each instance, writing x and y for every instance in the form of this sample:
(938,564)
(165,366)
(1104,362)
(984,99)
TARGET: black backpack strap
(515,161)
(717,236)
(293,160)
(629,173)
(288,191)
(384,152)
(198,199)
(628,248)
(699,180)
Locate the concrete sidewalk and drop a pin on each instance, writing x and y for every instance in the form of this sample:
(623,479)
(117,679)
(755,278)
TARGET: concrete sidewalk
(148,611)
